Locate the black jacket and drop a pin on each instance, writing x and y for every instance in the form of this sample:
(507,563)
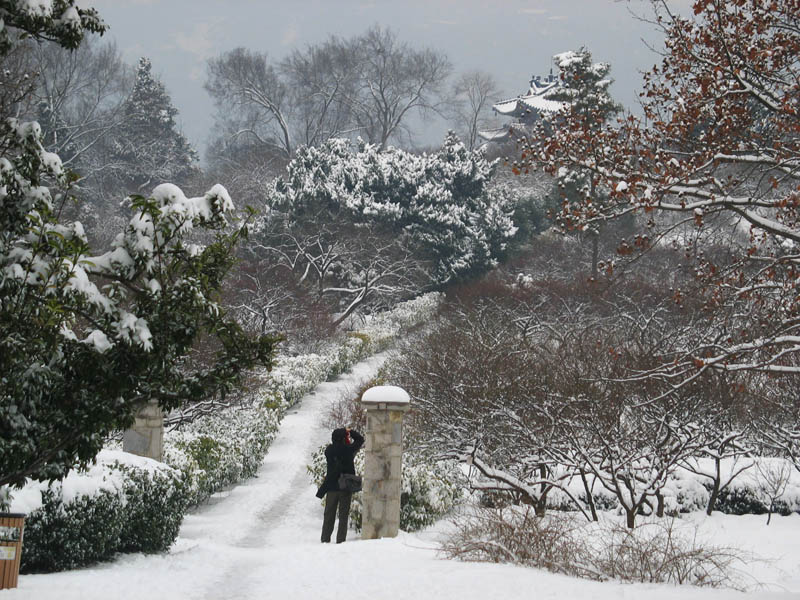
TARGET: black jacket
(340,459)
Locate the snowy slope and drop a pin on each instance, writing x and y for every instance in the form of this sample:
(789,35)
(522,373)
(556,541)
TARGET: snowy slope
(261,541)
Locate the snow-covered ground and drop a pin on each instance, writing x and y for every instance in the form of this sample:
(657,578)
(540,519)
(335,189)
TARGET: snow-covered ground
(260,541)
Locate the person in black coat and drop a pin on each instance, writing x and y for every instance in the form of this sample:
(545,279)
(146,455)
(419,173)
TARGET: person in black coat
(339,455)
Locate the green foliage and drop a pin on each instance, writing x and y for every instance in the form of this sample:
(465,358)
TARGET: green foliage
(154,506)
(442,203)
(61,536)
(533,215)
(137,510)
(149,148)
(743,500)
(207,453)
(60,21)
(86,339)
(222,449)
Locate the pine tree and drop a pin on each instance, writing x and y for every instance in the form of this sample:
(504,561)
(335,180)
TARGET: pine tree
(443,201)
(149,146)
(584,91)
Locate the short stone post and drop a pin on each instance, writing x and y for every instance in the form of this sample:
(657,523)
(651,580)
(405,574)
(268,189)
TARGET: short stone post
(383,461)
(146,437)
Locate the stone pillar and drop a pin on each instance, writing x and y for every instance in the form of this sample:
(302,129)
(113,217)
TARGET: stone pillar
(146,437)
(383,461)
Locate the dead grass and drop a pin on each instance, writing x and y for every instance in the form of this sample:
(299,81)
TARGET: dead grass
(665,551)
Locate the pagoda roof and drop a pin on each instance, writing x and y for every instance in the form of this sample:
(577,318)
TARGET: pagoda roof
(496,135)
(533,102)
(501,134)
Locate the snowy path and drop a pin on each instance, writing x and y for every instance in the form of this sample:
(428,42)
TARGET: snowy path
(261,541)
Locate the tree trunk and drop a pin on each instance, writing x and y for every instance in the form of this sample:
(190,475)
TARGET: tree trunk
(660,506)
(589,497)
(630,517)
(541,504)
(595,253)
(712,499)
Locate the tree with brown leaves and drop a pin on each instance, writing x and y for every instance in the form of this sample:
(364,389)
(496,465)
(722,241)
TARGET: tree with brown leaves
(717,147)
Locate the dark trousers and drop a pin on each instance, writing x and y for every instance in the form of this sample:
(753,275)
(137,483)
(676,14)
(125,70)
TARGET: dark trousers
(336,502)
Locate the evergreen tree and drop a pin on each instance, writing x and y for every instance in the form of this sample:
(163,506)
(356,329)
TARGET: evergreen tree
(442,201)
(149,147)
(87,338)
(584,91)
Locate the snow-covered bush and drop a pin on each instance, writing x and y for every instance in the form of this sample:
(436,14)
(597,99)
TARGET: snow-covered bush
(219,451)
(294,376)
(155,503)
(749,491)
(384,328)
(123,503)
(429,489)
(64,535)
(661,551)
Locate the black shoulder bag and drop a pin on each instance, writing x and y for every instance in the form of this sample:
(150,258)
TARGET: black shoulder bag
(349,482)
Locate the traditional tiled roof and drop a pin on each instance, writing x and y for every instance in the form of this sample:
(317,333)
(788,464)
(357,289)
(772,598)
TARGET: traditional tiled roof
(525,107)
(502,134)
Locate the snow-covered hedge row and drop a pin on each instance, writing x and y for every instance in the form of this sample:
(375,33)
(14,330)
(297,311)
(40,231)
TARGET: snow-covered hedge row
(214,452)
(126,503)
(294,376)
(123,503)
(429,489)
(764,485)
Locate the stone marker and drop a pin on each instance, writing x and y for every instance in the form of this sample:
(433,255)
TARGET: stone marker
(146,437)
(385,405)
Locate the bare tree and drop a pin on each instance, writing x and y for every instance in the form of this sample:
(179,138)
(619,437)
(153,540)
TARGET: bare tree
(251,98)
(473,93)
(346,267)
(394,81)
(320,78)
(367,85)
(718,141)
(78,99)
(17,79)
(773,478)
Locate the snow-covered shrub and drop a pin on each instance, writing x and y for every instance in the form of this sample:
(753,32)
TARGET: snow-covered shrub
(661,551)
(154,507)
(384,328)
(63,535)
(221,450)
(685,491)
(294,376)
(122,503)
(429,489)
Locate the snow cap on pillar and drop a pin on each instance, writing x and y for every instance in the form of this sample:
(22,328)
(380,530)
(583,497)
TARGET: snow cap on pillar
(386,394)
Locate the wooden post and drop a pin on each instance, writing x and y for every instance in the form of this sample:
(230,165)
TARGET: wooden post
(383,461)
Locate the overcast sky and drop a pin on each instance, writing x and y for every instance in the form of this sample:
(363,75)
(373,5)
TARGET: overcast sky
(512,39)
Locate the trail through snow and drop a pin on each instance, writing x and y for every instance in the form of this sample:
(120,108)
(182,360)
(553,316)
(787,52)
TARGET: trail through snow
(260,540)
